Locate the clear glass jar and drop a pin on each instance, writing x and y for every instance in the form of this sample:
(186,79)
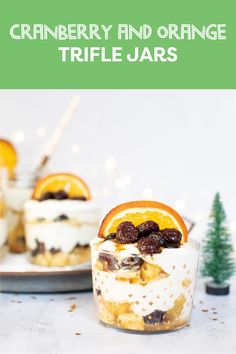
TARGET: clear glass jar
(18,191)
(58,232)
(143,293)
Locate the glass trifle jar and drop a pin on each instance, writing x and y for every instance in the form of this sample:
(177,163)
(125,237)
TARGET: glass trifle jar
(19,190)
(60,221)
(144,269)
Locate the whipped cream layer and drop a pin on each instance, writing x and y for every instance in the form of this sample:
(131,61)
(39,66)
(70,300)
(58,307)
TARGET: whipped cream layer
(80,227)
(84,211)
(3,231)
(180,264)
(59,235)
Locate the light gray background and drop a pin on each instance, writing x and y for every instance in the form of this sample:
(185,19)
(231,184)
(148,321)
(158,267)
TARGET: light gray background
(181,144)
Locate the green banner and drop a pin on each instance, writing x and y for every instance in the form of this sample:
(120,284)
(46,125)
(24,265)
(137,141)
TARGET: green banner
(118,44)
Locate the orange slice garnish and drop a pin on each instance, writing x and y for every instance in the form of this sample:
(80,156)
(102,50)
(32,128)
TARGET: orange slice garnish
(139,211)
(73,185)
(8,156)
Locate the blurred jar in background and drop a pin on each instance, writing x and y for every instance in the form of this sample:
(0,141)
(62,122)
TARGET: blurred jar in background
(18,191)
(3,213)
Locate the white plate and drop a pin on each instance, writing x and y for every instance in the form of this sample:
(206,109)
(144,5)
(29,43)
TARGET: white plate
(18,275)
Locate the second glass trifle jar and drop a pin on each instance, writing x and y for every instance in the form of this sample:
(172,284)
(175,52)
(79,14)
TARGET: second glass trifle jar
(144,268)
(60,221)
(19,190)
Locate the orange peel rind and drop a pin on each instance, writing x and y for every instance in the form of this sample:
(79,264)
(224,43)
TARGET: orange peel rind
(140,211)
(70,183)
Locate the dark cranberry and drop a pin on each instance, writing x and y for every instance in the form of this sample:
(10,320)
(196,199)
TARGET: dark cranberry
(54,250)
(81,197)
(147,227)
(159,238)
(131,263)
(60,195)
(149,245)
(78,245)
(61,217)
(171,236)
(154,317)
(126,233)
(111,236)
(46,196)
(172,245)
(40,248)
(109,261)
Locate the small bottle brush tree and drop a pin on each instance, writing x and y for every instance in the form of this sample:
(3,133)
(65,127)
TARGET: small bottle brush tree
(218,261)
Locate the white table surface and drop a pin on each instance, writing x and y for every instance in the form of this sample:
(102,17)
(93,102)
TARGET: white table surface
(42,324)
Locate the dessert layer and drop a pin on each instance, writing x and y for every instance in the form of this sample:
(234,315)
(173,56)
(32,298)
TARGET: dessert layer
(84,211)
(156,285)
(61,259)
(170,259)
(121,315)
(59,235)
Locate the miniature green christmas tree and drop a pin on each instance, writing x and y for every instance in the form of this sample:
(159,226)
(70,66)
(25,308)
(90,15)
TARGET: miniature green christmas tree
(218,261)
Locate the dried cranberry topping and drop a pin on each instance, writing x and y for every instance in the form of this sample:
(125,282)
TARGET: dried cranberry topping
(111,236)
(127,233)
(171,236)
(159,238)
(81,197)
(172,245)
(147,227)
(45,196)
(149,245)
(60,195)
